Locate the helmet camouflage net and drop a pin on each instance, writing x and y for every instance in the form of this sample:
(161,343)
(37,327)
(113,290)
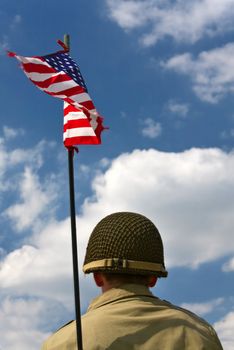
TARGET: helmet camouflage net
(127,243)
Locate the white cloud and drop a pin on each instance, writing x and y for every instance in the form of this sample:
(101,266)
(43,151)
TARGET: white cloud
(182,20)
(23,166)
(16,20)
(151,128)
(85,169)
(10,158)
(35,200)
(4,44)
(212,72)
(33,157)
(189,196)
(202,309)
(19,157)
(20,321)
(128,14)
(226,134)
(229,266)
(12,133)
(178,191)
(224,328)
(180,109)
(4,40)
(42,268)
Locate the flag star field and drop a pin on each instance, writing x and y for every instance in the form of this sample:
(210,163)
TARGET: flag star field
(163,85)
(63,62)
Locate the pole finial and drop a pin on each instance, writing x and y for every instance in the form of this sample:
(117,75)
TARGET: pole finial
(66,40)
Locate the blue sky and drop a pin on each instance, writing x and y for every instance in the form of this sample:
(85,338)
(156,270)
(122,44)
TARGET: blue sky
(161,74)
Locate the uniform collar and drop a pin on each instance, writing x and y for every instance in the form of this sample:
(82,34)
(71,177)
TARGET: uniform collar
(114,294)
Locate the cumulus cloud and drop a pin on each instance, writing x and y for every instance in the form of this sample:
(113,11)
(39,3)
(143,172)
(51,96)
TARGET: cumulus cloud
(189,196)
(182,20)
(150,128)
(227,134)
(42,268)
(229,266)
(202,309)
(34,201)
(180,109)
(15,21)
(4,44)
(179,192)
(10,159)
(12,24)
(211,72)
(11,133)
(224,328)
(21,319)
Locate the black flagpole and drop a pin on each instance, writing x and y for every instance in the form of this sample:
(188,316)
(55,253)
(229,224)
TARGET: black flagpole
(73,235)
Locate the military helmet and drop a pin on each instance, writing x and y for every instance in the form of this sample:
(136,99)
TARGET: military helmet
(125,242)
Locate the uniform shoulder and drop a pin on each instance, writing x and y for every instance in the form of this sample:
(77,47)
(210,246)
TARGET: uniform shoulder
(196,320)
(62,338)
(65,325)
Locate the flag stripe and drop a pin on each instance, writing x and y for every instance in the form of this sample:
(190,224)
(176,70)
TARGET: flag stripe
(33,60)
(78,123)
(81,140)
(38,68)
(61,86)
(89,105)
(83,131)
(40,77)
(56,78)
(72,93)
(74,116)
(68,108)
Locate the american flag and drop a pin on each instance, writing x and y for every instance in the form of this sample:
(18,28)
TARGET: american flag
(58,75)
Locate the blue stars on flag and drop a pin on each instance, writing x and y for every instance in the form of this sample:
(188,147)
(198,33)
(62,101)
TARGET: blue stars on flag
(61,61)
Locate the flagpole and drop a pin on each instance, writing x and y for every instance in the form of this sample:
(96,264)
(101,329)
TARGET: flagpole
(74,236)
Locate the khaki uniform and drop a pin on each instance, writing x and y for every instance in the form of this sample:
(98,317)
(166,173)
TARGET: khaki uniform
(131,318)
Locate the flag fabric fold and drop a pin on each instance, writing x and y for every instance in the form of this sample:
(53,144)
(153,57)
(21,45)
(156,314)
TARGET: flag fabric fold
(58,75)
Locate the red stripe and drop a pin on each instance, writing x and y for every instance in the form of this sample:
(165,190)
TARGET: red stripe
(81,140)
(37,68)
(99,128)
(71,108)
(88,104)
(69,92)
(57,79)
(68,100)
(80,123)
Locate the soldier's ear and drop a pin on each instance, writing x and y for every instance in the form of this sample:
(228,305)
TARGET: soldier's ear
(152,281)
(98,278)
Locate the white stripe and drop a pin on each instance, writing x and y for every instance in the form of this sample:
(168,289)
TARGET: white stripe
(74,116)
(43,76)
(93,123)
(60,87)
(76,132)
(57,96)
(84,97)
(32,60)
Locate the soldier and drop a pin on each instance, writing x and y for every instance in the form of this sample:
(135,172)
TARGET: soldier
(125,255)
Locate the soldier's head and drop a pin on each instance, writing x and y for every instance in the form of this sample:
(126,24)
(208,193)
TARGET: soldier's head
(125,247)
